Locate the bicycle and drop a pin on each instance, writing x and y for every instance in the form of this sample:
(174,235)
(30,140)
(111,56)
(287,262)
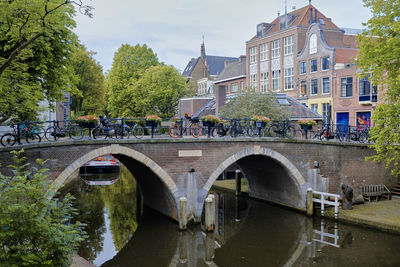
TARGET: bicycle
(327,133)
(135,129)
(55,132)
(360,134)
(106,130)
(177,130)
(29,131)
(281,129)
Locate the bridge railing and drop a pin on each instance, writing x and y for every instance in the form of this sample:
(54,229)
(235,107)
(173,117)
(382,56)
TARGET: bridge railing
(58,130)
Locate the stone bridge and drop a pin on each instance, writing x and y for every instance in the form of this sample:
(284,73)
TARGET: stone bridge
(276,170)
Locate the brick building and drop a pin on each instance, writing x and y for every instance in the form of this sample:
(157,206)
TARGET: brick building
(305,55)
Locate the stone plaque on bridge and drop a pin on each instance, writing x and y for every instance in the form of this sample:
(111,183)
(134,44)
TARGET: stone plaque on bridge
(190,153)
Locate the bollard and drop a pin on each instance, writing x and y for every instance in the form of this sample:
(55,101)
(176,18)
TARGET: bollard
(209,244)
(182,213)
(212,211)
(183,247)
(209,215)
(309,202)
(238,180)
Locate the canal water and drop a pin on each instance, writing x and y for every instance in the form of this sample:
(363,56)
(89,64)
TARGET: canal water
(123,232)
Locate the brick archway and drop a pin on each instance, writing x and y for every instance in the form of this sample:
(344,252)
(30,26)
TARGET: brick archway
(117,149)
(291,173)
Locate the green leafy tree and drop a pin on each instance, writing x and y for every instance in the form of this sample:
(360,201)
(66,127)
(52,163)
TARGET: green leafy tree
(129,64)
(35,229)
(380,54)
(250,103)
(90,83)
(158,91)
(36,41)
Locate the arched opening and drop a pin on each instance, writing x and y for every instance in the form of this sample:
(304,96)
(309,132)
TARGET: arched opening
(270,176)
(155,184)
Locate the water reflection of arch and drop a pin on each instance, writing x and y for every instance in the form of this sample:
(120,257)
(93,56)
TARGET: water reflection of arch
(156,186)
(270,176)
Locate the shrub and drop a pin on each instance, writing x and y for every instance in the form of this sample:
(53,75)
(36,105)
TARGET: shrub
(35,229)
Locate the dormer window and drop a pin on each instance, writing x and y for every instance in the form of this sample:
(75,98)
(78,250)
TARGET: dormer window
(313,44)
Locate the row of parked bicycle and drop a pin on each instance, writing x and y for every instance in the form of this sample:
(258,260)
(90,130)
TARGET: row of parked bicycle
(35,132)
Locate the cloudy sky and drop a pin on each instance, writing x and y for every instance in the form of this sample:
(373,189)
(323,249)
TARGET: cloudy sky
(174,28)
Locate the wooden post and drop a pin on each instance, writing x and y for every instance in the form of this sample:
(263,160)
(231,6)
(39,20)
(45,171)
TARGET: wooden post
(209,215)
(309,202)
(238,183)
(182,213)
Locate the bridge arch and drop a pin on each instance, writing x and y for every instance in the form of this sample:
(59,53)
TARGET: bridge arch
(157,187)
(289,178)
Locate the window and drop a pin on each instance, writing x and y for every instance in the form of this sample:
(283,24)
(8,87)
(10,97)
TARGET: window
(313,44)
(303,87)
(253,81)
(346,87)
(314,86)
(325,111)
(253,55)
(313,65)
(325,63)
(276,49)
(288,45)
(276,80)
(264,81)
(241,85)
(303,67)
(288,78)
(234,87)
(325,85)
(314,107)
(263,52)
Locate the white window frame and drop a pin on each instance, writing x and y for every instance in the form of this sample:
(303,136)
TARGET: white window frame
(314,107)
(253,81)
(253,54)
(322,85)
(264,52)
(315,65)
(276,48)
(302,73)
(276,80)
(264,82)
(234,87)
(344,89)
(288,45)
(311,87)
(289,79)
(325,111)
(322,64)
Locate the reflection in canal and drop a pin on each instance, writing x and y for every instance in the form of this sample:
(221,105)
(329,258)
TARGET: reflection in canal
(248,233)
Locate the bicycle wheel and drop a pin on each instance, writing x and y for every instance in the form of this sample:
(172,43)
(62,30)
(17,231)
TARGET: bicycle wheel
(75,132)
(195,130)
(8,139)
(98,133)
(363,138)
(125,133)
(340,136)
(274,131)
(174,131)
(290,132)
(33,138)
(51,134)
(138,132)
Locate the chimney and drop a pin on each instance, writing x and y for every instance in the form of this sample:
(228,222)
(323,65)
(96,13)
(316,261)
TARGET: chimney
(293,7)
(311,13)
(316,18)
(242,58)
(202,51)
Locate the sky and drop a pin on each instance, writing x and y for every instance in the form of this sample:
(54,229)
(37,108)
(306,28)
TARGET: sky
(174,29)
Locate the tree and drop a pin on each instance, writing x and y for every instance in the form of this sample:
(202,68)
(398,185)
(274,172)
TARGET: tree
(36,41)
(35,229)
(250,103)
(90,83)
(129,64)
(158,91)
(380,55)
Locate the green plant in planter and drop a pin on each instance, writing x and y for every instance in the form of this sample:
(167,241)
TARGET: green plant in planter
(211,119)
(153,118)
(305,122)
(260,119)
